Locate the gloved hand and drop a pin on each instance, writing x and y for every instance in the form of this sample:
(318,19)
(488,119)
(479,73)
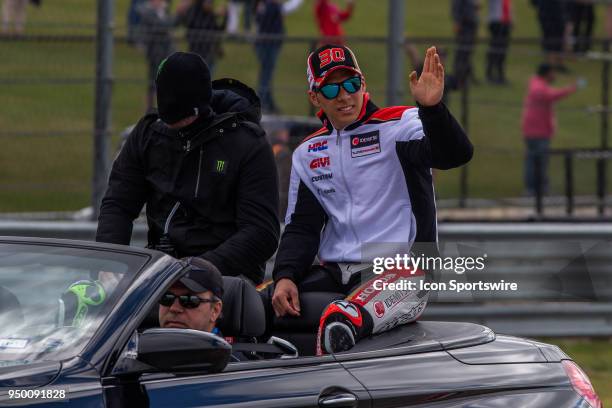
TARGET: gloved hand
(342,324)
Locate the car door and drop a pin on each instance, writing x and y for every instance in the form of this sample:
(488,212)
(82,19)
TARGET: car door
(301,382)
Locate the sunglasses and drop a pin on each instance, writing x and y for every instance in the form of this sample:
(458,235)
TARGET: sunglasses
(186,301)
(350,85)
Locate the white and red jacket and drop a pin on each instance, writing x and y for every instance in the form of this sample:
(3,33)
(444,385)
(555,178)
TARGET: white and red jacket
(369,183)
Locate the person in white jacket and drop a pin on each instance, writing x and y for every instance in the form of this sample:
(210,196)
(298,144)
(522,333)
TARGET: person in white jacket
(361,188)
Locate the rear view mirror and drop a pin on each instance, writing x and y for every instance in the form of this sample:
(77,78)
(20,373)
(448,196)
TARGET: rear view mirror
(183,350)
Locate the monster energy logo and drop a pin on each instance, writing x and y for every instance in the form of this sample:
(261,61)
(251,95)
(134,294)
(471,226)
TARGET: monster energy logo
(220,166)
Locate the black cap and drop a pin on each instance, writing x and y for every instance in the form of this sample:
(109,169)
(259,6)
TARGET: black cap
(327,59)
(183,87)
(203,276)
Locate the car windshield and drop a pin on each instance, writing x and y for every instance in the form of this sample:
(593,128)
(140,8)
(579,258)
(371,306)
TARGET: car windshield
(53,297)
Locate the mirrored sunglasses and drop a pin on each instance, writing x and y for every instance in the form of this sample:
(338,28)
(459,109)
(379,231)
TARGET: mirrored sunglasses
(186,301)
(350,85)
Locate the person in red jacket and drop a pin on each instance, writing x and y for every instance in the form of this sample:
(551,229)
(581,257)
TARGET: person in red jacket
(329,18)
(538,123)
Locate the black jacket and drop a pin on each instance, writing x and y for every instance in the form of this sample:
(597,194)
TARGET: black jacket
(214,191)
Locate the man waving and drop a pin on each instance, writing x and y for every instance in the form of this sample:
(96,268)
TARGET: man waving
(361,188)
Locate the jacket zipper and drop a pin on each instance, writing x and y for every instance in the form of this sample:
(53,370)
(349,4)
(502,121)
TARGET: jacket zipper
(172,212)
(197,188)
(348,191)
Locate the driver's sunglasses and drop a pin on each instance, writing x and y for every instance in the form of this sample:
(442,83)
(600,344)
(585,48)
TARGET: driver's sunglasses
(186,301)
(350,85)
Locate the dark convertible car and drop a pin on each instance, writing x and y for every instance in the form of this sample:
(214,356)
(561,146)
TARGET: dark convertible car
(104,349)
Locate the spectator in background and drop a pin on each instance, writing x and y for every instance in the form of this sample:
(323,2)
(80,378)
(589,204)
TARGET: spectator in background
(155,30)
(234,9)
(538,123)
(133,22)
(552,24)
(270,31)
(205,27)
(279,140)
(14,16)
(582,18)
(465,19)
(330,18)
(500,25)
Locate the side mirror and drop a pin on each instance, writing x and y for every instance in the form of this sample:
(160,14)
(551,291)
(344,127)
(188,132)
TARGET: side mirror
(183,350)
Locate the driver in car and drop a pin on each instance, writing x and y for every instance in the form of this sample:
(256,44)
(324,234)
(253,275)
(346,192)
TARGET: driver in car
(194,301)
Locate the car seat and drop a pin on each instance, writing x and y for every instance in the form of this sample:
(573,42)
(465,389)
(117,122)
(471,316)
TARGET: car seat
(300,331)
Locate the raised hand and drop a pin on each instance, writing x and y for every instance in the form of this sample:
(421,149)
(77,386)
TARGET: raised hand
(429,87)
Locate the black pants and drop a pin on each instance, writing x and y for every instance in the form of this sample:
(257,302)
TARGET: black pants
(328,278)
(465,42)
(583,17)
(498,49)
(553,28)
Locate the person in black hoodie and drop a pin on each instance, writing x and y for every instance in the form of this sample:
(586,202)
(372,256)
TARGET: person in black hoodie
(203,168)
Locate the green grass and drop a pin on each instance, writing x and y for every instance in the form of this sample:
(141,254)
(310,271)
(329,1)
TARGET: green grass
(595,358)
(65,108)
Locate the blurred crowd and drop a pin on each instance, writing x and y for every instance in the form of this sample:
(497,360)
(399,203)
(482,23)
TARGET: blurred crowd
(566,28)
(151,22)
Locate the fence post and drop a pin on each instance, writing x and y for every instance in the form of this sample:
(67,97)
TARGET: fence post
(605,102)
(103,91)
(395,51)
(569,182)
(465,114)
(539,182)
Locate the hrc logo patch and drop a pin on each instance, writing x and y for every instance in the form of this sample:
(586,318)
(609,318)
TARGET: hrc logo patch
(318,146)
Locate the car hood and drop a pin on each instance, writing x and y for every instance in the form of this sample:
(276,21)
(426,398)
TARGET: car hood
(29,375)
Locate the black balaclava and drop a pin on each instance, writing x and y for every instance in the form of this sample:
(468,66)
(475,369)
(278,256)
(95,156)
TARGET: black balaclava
(184,87)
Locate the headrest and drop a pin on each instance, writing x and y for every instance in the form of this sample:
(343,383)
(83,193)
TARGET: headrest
(10,306)
(243,311)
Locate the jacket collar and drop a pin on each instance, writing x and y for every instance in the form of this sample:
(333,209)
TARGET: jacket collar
(196,137)
(367,109)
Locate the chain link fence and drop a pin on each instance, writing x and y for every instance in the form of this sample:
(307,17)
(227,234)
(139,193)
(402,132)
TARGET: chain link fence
(48,85)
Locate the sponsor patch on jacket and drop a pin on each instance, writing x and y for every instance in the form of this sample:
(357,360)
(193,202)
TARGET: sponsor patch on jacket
(326,190)
(365,144)
(220,166)
(320,177)
(317,146)
(320,162)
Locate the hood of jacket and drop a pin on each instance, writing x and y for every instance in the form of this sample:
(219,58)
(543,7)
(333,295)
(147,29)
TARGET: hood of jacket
(231,101)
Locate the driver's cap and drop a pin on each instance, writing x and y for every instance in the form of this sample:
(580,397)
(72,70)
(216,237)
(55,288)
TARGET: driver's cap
(203,276)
